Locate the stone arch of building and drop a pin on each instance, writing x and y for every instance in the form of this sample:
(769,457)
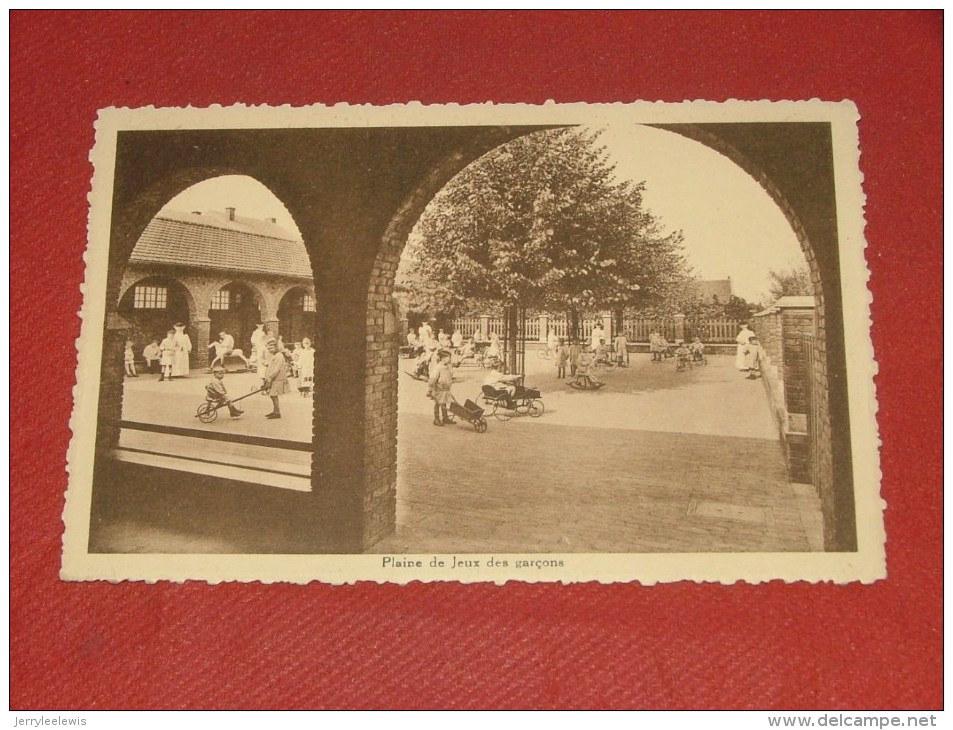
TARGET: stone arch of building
(296,322)
(238,321)
(137,280)
(209,287)
(144,325)
(818,240)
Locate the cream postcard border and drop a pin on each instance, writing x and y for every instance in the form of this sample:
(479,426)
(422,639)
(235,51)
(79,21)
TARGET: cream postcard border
(867,564)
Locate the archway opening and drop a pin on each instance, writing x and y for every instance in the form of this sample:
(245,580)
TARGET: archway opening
(235,310)
(297,315)
(153,306)
(674,412)
(217,258)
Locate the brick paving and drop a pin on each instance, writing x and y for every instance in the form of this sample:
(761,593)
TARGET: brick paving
(657,461)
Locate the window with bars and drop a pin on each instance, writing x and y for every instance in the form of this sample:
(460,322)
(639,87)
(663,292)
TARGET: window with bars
(220,299)
(307,301)
(150,297)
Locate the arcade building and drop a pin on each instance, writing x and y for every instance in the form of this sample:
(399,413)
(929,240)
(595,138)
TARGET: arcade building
(217,272)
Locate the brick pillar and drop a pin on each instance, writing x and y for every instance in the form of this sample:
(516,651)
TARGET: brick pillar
(202,337)
(111,382)
(272,325)
(543,327)
(607,326)
(679,326)
(485,325)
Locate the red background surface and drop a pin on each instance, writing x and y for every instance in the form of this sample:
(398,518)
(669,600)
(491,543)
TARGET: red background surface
(683,645)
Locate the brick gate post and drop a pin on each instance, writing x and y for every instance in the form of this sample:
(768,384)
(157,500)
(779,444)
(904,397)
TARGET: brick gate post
(679,326)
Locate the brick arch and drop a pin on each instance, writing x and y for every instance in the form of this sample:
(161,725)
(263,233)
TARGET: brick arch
(383,333)
(381,369)
(284,290)
(726,149)
(131,216)
(295,324)
(264,297)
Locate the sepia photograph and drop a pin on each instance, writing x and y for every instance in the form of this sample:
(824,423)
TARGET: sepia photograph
(485,343)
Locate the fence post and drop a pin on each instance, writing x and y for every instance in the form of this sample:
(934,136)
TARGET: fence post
(485,325)
(543,327)
(607,326)
(679,326)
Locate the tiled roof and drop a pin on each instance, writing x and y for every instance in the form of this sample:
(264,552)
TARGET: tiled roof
(212,241)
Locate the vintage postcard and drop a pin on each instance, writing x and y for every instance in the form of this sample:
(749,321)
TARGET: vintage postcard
(583,342)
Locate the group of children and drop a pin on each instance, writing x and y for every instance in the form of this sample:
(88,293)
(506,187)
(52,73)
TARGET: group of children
(280,364)
(273,361)
(171,355)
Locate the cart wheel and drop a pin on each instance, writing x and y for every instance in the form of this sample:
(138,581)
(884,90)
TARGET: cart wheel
(480,425)
(481,402)
(207,412)
(502,413)
(536,408)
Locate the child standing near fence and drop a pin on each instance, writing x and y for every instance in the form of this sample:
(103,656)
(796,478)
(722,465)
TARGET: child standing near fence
(698,349)
(129,360)
(622,349)
(753,359)
(575,350)
(561,355)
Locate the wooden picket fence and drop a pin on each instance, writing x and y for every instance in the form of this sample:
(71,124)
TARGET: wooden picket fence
(714,330)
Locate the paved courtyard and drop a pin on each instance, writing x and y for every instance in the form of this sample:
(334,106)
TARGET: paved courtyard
(657,461)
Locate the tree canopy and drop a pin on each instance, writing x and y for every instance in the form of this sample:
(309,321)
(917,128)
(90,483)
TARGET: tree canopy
(543,223)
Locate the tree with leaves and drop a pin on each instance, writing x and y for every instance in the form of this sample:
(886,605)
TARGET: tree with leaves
(543,223)
(792,282)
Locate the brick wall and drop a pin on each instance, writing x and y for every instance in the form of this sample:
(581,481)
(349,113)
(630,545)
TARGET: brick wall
(787,336)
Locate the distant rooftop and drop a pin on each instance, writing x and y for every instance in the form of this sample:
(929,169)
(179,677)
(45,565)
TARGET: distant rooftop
(222,240)
(707,290)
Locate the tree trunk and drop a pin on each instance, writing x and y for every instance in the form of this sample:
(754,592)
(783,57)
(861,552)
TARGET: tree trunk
(573,324)
(512,332)
(619,314)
